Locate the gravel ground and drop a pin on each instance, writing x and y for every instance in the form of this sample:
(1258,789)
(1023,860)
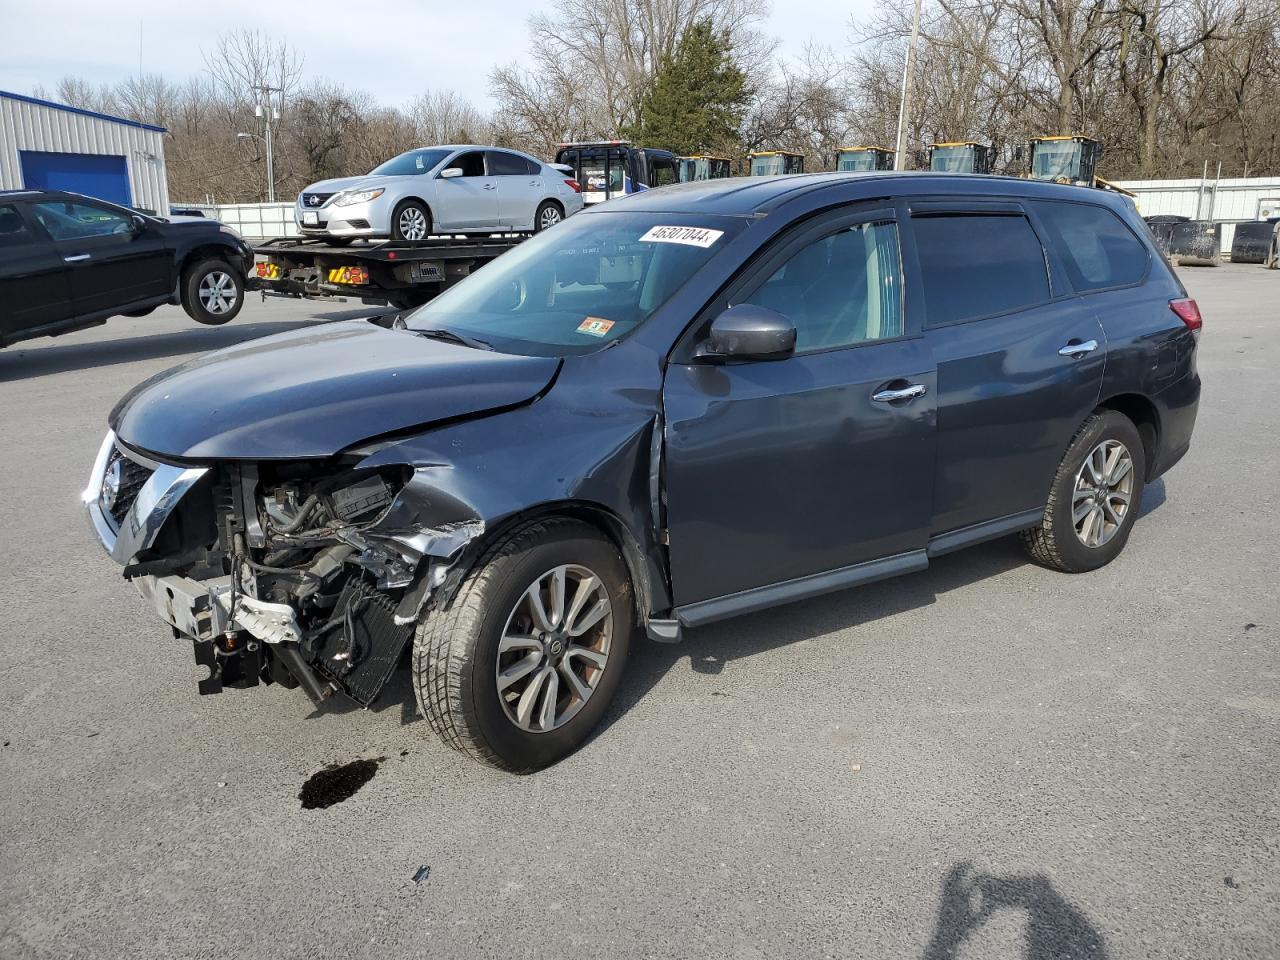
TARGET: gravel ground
(984,760)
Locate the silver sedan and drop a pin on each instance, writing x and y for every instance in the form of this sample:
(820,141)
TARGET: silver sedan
(460,188)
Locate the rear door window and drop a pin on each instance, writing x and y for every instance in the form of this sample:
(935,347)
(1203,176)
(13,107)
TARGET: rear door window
(1095,246)
(14,231)
(502,164)
(978,265)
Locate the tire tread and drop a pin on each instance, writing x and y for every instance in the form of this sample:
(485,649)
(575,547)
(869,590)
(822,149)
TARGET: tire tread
(1043,541)
(445,637)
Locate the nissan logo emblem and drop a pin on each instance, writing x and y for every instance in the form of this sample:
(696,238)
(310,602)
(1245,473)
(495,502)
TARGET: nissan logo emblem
(313,200)
(111,481)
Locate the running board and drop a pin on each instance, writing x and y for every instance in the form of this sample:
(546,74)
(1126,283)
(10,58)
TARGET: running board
(802,588)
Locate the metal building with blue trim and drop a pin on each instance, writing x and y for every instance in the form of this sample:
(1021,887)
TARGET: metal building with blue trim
(51,146)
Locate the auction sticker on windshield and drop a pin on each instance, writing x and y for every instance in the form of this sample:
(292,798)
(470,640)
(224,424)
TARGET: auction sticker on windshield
(595,326)
(692,236)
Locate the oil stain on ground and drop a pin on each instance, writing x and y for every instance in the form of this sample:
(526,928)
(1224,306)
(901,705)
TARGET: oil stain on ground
(336,782)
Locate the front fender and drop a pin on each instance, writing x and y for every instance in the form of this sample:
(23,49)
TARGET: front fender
(472,481)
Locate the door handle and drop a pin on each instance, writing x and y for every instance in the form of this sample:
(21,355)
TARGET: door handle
(76,258)
(1075,349)
(909,392)
(490,186)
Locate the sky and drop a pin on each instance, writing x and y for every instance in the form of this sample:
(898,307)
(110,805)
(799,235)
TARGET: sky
(394,50)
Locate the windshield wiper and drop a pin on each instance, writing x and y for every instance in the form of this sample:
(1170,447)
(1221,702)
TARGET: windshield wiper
(452,336)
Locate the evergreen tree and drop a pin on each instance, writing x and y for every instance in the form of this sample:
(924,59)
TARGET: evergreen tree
(698,98)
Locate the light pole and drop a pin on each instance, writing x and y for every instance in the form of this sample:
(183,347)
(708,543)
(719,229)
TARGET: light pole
(264,110)
(271,187)
(908,71)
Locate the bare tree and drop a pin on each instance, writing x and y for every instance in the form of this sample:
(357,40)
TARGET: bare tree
(443,116)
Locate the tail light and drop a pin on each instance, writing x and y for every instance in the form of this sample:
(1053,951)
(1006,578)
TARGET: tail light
(574,185)
(349,275)
(1188,312)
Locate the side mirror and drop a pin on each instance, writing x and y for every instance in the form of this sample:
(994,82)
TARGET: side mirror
(138,223)
(448,173)
(749,332)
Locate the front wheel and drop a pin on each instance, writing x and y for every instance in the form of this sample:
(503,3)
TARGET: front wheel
(410,220)
(519,668)
(212,292)
(548,215)
(1094,499)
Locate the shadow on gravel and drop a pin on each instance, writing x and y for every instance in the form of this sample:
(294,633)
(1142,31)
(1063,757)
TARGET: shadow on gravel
(1055,930)
(23,361)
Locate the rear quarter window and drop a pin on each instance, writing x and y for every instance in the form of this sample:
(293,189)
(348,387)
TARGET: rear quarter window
(978,265)
(1094,244)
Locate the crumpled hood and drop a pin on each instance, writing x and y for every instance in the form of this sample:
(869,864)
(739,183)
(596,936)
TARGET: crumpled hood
(314,392)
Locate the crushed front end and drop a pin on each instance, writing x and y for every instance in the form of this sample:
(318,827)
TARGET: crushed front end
(306,573)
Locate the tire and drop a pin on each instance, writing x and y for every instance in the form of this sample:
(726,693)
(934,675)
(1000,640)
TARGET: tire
(140,313)
(416,220)
(212,292)
(549,214)
(456,652)
(1059,541)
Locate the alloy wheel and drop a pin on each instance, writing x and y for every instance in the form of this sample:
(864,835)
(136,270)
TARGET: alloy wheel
(554,648)
(549,217)
(1103,493)
(218,292)
(413,224)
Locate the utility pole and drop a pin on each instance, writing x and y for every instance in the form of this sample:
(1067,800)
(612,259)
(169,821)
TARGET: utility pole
(908,72)
(268,113)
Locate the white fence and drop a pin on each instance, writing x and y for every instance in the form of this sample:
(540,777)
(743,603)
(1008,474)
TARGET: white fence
(255,221)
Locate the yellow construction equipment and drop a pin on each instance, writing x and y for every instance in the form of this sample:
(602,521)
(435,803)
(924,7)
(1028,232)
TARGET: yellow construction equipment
(765,163)
(961,156)
(1071,158)
(864,158)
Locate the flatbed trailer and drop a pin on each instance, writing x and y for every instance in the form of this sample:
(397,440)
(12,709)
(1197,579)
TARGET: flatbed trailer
(402,273)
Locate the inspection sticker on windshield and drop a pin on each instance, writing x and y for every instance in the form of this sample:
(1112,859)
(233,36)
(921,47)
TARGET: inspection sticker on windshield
(692,236)
(595,326)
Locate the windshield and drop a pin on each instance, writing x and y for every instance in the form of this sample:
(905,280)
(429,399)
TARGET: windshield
(767,166)
(952,159)
(862,160)
(697,168)
(408,164)
(1054,160)
(588,281)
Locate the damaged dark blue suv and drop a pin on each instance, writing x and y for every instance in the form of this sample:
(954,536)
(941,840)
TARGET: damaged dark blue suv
(681,406)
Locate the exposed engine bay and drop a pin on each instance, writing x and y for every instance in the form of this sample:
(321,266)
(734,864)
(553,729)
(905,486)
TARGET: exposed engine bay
(292,573)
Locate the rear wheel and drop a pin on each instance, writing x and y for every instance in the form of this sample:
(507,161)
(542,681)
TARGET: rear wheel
(549,214)
(521,666)
(410,220)
(1094,499)
(212,292)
